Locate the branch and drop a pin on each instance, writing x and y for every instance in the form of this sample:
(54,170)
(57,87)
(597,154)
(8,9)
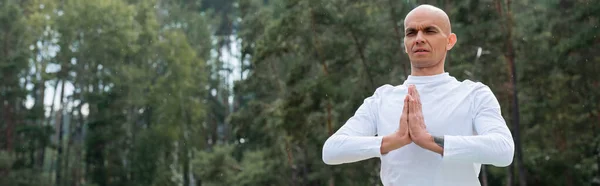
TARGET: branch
(317,42)
(362,57)
(323,64)
(397,33)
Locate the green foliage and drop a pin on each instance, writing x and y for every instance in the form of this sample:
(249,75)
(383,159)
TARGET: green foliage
(216,167)
(150,97)
(6,160)
(288,90)
(19,176)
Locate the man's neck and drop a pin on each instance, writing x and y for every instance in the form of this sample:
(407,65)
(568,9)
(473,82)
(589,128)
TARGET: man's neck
(436,69)
(427,71)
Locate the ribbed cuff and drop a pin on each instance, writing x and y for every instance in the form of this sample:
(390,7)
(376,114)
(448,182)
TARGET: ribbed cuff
(375,147)
(454,149)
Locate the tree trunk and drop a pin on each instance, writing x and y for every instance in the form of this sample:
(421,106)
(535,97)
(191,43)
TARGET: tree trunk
(319,51)
(60,120)
(6,103)
(40,88)
(53,99)
(8,118)
(71,134)
(290,158)
(510,176)
(79,150)
(597,150)
(52,116)
(185,159)
(483,179)
(66,166)
(509,56)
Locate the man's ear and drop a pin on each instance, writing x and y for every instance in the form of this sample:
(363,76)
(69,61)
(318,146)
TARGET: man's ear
(451,41)
(404,43)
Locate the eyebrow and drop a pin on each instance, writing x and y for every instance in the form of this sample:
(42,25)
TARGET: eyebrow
(410,29)
(432,28)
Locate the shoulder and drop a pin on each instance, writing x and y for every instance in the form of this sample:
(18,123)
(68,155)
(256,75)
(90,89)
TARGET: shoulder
(476,88)
(482,94)
(380,93)
(383,90)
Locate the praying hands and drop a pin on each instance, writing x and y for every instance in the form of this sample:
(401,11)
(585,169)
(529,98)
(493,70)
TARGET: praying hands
(416,124)
(412,128)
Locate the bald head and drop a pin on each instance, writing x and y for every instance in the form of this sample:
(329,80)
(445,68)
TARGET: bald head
(427,39)
(430,13)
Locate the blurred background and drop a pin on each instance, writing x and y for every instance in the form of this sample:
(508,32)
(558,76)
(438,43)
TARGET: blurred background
(245,92)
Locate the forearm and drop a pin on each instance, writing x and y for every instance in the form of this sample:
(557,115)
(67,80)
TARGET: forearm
(493,143)
(392,142)
(495,149)
(432,143)
(339,149)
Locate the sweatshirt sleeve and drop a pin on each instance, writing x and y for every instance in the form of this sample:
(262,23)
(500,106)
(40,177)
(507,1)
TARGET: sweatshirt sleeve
(493,143)
(356,140)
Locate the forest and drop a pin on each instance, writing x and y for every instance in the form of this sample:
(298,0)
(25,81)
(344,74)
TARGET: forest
(245,92)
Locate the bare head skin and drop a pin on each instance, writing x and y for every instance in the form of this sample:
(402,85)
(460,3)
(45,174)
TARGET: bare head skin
(428,37)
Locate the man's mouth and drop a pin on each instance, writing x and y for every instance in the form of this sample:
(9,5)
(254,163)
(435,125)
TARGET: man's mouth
(420,51)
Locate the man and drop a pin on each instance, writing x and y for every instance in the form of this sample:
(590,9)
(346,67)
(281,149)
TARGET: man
(438,135)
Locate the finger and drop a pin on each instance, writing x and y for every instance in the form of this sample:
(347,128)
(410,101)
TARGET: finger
(412,115)
(417,96)
(420,108)
(405,109)
(415,115)
(410,131)
(411,105)
(422,121)
(404,116)
(416,93)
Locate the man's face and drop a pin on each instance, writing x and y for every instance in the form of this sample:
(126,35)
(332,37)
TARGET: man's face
(427,37)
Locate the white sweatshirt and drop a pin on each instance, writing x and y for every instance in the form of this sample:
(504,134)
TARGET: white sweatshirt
(467,114)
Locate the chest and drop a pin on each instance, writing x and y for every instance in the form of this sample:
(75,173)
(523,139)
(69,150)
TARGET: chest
(443,114)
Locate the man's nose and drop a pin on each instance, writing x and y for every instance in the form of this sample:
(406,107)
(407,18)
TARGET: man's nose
(419,39)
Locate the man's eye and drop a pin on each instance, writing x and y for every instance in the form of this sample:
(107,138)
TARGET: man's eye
(430,31)
(410,33)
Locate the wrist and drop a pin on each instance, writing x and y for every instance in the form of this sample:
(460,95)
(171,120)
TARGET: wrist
(403,138)
(393,141)
(427,141)
(424,140)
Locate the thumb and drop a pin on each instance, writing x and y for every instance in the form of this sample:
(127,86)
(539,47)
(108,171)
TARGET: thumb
(410,133)
(405,109)
(403,124)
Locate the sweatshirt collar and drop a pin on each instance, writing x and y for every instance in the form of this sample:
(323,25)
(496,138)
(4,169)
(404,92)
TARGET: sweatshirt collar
(438,78)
